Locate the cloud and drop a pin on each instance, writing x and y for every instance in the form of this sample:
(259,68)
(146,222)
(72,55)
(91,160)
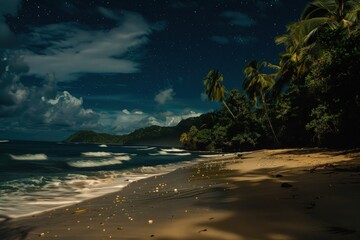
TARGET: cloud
(128,121)
(109,14)
(67,110)
(220,40)
(173,119)
(72,49)
(243,40)
(239,19)
(164,96)
(7,37)
(31,107)
(26,110)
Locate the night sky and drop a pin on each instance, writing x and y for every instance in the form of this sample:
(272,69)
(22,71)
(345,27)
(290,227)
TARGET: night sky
(117,65)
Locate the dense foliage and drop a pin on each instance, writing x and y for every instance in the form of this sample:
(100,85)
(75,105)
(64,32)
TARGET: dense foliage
(312,98)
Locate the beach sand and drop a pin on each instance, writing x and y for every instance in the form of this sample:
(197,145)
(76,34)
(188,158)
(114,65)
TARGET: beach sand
(268,194)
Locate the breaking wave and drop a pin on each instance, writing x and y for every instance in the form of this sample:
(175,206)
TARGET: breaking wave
(96,154)
(31,157)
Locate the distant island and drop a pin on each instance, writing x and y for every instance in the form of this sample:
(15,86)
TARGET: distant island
(152,135)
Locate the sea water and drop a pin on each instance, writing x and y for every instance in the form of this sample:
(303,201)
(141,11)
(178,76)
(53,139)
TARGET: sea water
(39,176)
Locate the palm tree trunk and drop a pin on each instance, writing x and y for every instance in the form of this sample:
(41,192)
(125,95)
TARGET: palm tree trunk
(268,119)
(227,107)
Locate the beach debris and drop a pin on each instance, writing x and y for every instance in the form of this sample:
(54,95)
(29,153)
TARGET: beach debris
(203,230)
(104,230)
(151,221)
(286,185)
(77,211)
(119,228)
(152,235)
(41,234)
(175,190)
(69,229)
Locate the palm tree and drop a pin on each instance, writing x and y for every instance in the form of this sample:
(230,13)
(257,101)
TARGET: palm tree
(214,88)
(257,84)
(299,42)
(334,13)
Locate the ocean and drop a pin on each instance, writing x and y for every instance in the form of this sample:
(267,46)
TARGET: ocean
(39,176)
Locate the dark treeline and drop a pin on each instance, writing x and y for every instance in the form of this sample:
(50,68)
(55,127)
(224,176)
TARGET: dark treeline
(311,97)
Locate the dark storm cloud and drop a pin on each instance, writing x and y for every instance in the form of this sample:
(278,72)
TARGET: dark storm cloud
(238,19)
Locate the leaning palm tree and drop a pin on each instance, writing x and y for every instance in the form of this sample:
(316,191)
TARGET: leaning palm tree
(214,88)
(257,85)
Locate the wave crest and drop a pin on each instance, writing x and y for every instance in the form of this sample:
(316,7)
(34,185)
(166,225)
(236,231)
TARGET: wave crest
(32,157)
(96,154)
(90,163)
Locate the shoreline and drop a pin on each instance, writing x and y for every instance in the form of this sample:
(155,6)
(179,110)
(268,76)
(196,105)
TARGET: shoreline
(266,194)
(166,169)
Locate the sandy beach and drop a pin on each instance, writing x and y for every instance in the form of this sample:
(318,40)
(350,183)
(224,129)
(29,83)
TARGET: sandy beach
(268,194)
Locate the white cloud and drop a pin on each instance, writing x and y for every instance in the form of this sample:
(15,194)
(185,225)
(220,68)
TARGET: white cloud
(68,110)
(239,19)
(127,121)
(44,108)
(175,119)
(74,49)
(38,106)
(220,40)
(164,96)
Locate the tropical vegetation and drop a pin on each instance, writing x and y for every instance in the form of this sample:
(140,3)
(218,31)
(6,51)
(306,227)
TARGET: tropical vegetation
(311,98)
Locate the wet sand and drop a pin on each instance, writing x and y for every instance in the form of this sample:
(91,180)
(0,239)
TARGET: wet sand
(267,194)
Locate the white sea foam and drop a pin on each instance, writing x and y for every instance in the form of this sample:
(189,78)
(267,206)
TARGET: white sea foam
(217,155)
(103,146)
(173,153)
(96,154)
(172,150)
(4,141)
(100,163)
(146,149)
(123,158)
(33,157)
